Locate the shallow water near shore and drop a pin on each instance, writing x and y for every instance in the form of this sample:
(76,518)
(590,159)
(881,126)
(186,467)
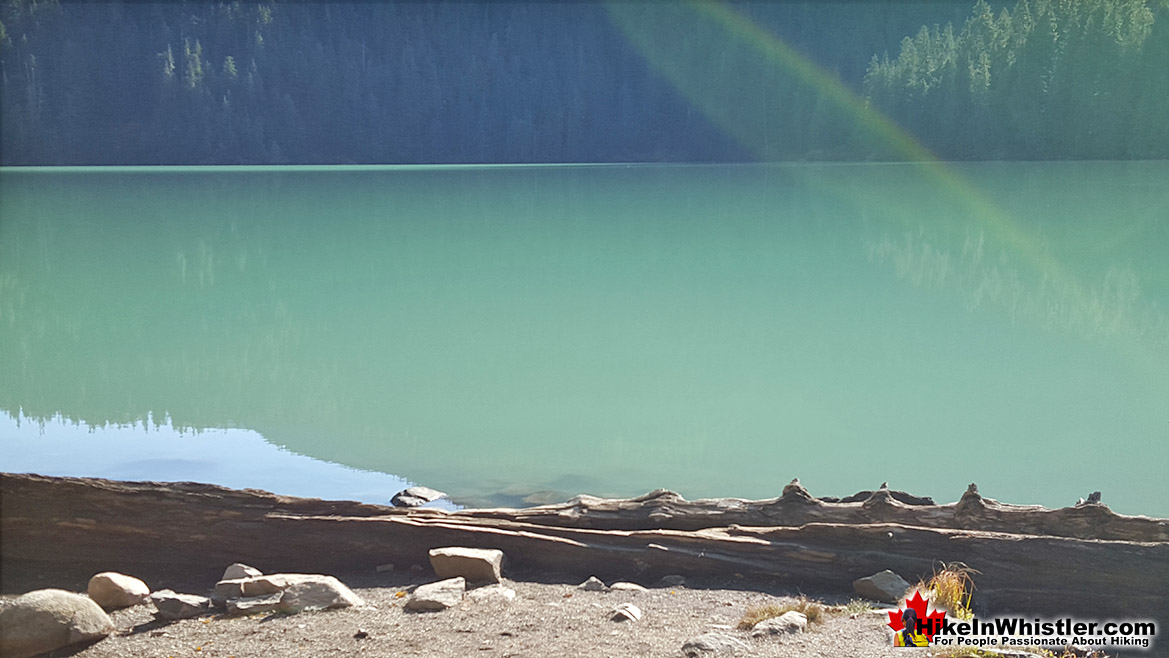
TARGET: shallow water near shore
(519,334)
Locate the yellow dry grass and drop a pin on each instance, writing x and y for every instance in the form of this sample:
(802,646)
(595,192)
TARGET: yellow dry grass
(951,588)
(811,609)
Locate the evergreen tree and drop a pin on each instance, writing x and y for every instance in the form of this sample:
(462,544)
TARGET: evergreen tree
(1051,79)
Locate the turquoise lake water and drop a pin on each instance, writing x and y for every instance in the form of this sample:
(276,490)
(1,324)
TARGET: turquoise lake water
(512,333)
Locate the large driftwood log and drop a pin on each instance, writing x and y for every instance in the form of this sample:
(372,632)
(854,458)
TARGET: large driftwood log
(188,531)
(665,509)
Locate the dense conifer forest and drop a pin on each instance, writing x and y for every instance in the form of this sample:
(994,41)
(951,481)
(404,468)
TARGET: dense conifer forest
(462,81)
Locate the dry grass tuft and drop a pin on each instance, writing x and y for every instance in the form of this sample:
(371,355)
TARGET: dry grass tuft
(950,589)
(757,614)
(858,606)
(813,610)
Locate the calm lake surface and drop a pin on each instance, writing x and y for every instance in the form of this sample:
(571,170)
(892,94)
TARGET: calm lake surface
(498,332)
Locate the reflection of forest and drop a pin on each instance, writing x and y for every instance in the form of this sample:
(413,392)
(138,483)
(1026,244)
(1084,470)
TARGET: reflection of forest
(133,295)
(1108,308)
(305,306)
(340,313)
(1092,268)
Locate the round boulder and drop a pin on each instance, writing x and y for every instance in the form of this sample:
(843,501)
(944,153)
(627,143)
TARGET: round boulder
(48,619)
(112,590)
(885,586)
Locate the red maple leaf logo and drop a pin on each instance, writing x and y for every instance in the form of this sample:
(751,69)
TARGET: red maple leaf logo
(930,620)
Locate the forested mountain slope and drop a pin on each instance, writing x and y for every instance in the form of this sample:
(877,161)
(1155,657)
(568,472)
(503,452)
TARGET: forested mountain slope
(282,81)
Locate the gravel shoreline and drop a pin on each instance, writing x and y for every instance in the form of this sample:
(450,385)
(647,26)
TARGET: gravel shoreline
(543,620)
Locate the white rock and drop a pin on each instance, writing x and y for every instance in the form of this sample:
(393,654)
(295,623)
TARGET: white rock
(437,596)
(791,621)
(477,565)
(225,590)
(48,619)
(712,643)
(252,604)
(491,593)
(321,593)
(884,586)
(672,580)
(278,582)
(416,497)
(240,570)
(593,584)
(627,587)
(309,591)
(626,612)
(171,605)
(112,590)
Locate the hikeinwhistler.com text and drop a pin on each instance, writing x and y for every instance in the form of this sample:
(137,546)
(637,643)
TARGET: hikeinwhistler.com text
(1016,631)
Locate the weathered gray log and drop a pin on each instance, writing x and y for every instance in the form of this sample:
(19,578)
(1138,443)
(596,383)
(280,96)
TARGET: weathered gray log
(666,509)
(190,530)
